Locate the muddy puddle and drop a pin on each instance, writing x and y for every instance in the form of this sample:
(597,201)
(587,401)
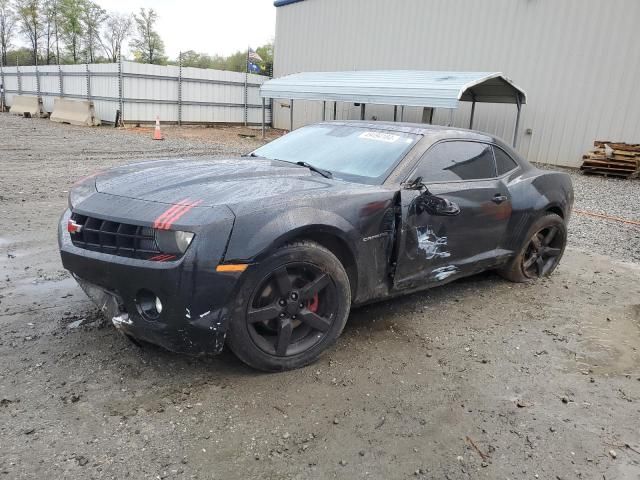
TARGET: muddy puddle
(608,344)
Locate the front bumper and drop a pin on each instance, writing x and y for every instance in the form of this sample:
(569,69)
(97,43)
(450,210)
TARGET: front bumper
(196,299)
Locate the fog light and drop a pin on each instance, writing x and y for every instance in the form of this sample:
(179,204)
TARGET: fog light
(158,305)
(149,305)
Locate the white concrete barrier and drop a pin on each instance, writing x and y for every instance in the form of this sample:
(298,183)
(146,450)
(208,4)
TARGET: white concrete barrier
(26,105)
(74,112)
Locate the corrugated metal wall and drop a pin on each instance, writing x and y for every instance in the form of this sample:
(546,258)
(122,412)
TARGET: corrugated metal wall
(208,96)
(578,61)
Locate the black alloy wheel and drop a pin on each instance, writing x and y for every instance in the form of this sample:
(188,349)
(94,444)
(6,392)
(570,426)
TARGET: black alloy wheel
(540,252)
(292,310)
(543,252)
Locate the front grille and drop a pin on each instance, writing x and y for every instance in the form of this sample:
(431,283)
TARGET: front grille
(116,238)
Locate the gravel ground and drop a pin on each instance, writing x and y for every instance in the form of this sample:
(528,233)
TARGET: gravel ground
(481,379)
(614,197)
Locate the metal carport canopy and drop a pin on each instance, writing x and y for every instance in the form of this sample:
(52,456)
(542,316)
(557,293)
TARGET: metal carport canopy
(415,88)
(396,87)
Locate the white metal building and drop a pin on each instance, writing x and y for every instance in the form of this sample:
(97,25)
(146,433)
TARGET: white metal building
(577,60)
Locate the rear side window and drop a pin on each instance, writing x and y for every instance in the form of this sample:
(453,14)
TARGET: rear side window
(454,161)
(503,161)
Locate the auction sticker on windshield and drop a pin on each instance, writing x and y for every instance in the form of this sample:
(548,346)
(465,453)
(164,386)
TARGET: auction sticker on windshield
(379,136)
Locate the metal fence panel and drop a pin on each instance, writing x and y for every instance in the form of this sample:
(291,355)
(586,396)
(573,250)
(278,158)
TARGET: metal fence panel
(49,85)
(174,94)
(104,90)
(10,85)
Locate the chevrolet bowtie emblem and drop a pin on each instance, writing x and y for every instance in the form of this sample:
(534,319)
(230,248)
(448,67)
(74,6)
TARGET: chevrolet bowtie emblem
(73,227)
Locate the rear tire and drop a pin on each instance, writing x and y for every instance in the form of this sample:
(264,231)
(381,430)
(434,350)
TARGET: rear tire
(290,308)
(543,248)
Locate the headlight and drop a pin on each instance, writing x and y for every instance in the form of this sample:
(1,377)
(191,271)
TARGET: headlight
(173,241)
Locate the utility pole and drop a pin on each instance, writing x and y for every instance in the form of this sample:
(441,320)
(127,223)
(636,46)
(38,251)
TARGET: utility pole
(246,89)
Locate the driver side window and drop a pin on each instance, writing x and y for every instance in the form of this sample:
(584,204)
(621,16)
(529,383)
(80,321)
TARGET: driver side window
(456,161)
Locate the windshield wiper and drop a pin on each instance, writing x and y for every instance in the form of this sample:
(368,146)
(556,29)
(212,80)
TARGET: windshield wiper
(324,173)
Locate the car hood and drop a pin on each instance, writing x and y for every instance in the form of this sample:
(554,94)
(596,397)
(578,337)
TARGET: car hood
(213,181)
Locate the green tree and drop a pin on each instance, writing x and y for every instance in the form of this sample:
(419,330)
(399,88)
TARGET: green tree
(50,29)
(20,56)
(147,45)
(93,17)
(7,24)
(191,58)
(30,23)
(117,29)
(72,27)
(237,62)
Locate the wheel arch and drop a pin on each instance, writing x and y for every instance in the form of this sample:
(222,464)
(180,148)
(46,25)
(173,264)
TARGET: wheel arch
(327,229)
(328,237)
(337,245)
(555,209)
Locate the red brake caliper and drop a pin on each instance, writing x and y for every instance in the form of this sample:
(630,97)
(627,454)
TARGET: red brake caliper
(313,304)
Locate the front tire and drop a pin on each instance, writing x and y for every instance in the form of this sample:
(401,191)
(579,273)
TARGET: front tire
(291,308)
(541,253)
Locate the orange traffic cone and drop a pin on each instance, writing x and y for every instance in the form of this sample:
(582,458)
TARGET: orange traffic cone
(157,134)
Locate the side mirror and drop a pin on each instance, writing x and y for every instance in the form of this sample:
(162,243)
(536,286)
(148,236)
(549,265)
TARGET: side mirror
(447,208)
(415,184)
(433,205)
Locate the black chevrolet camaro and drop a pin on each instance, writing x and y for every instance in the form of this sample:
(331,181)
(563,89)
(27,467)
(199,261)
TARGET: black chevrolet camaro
(269,252)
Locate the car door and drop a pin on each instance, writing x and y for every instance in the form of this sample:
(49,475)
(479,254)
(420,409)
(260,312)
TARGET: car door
(437,246)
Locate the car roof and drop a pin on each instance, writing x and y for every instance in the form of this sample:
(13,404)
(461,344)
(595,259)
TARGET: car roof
(434,132)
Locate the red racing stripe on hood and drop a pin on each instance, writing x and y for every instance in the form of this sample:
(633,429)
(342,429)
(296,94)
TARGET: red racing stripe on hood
(174,215)
(167,213)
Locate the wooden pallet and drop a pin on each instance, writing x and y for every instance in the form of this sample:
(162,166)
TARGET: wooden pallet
(624,162)
(626,147)
(605,173)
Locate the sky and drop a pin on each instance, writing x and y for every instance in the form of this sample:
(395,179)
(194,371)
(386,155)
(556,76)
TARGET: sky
(208,26)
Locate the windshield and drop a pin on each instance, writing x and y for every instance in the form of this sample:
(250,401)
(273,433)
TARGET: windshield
(357,154)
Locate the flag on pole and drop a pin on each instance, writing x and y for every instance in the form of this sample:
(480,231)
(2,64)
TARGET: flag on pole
(252,61)
(253,56)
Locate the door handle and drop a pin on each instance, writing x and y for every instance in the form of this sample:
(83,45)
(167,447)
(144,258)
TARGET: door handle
(499,198)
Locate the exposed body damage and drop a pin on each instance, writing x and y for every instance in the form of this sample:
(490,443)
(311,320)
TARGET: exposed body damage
(432,245)
(390,238)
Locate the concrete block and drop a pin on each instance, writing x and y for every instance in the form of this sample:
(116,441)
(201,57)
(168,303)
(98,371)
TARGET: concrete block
(26,105)
(74,112)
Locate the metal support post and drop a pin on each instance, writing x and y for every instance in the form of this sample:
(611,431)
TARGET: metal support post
(38,85)
(19,78)
(2,87)
(88,81)
(402,113)
(60,81)
(120,89)
(335,110)
(517,127)
(271,99)
(246,90)
(180,89)
(395,113)
(324,110)
(362,110)
(264,116)
(291,116)
(473,112)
